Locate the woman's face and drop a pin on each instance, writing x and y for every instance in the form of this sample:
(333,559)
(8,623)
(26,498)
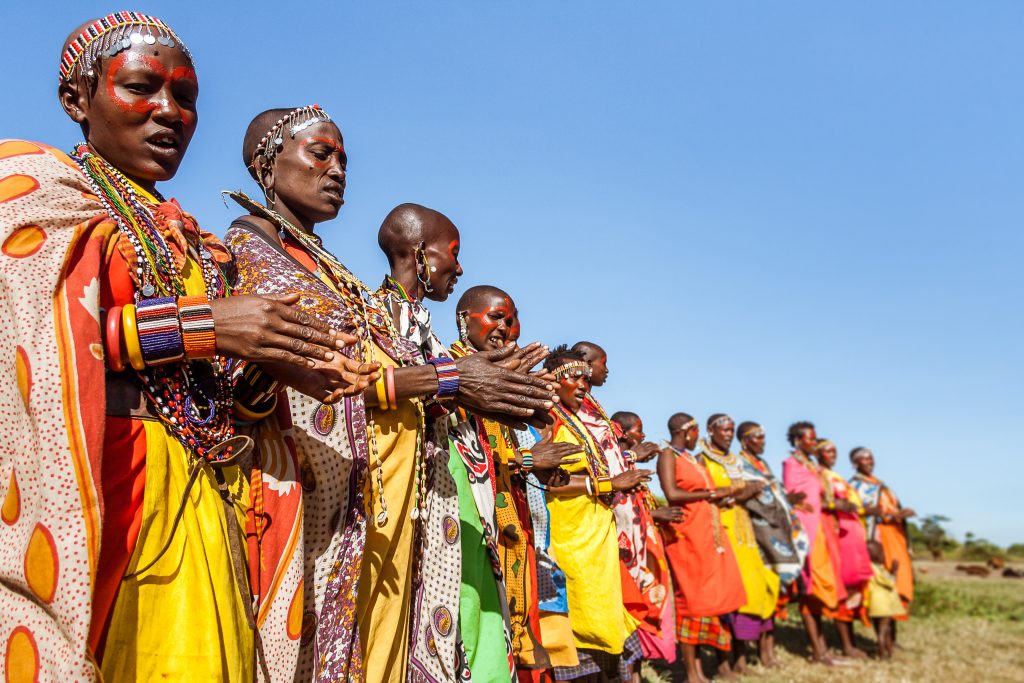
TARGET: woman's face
(721,434)
(692,437)
(442,254)
(755,442)
(807,441)
(635,434)
(866,463)
(140,111)
(308,175)
(826,456)
(492,322)
(573,388)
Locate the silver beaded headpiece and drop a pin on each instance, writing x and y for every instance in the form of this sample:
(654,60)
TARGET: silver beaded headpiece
(114,33)
(721,419)
(562,371)
(297,120)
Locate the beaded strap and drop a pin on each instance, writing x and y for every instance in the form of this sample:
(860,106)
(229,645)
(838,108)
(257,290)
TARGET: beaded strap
(197,331)
(447,377)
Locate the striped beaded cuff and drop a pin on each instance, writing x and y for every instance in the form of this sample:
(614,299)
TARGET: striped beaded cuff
(197,332)
(159,330)
(447,377)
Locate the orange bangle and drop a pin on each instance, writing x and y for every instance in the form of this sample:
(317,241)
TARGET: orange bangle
(197,333)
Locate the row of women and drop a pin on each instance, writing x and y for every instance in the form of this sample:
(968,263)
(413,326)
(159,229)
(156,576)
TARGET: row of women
(233,460)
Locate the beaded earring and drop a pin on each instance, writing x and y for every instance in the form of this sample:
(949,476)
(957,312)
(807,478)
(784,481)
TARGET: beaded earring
(463,326)
(423,268)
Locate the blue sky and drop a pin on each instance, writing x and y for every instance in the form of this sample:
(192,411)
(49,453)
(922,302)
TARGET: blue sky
(776,210)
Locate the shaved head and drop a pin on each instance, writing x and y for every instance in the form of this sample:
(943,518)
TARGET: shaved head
(590,350)
(258,127)
(409,224)
(480,296)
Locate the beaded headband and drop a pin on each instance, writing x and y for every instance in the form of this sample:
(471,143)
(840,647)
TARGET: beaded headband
(562,371)
(300,119)
(754,431)
(689,425)
(825,443)
(114,33)
(859,453)
(721,419)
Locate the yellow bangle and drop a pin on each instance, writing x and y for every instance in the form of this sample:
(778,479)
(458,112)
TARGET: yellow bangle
(382,394)
(245,415)
(603,485)
(131,337)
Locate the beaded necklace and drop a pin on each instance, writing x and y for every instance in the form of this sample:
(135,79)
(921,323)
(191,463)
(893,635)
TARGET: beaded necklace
(369,317)
(596,464)
(192,399)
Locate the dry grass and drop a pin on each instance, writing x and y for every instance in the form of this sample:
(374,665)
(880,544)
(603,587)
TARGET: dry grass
(968,630)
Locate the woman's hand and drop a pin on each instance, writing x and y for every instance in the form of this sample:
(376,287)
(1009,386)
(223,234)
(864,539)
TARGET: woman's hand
(845,506)
(328,382)
(548,455)
(627,482)
(271,329)
(646,451)
(487,388)
(526,357)
(667,514)
(796,498)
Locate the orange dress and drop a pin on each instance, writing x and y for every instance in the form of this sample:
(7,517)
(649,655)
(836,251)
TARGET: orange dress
(705,576)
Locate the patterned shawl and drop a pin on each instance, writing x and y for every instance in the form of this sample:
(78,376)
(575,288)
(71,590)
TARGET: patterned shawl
(779,535)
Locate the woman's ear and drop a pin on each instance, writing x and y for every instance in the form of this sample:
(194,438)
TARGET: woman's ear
(74,99)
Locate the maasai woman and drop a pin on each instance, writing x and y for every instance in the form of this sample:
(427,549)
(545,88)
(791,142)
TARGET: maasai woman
(657,629)
(125,497)
(637,577)
(780,537)
(841,516)
(886,522)
(488,319)
(760,583)
(298,158)
(822,587)
(705,575)
(583,538)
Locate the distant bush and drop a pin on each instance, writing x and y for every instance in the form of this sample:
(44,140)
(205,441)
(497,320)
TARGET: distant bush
(979,549)
(991,599)
(1015,550)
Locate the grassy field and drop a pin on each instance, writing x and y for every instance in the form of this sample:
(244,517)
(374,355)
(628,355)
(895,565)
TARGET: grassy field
(961,629)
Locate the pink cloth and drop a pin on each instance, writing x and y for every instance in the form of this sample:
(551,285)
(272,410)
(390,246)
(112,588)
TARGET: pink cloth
(796,477)
(664,646)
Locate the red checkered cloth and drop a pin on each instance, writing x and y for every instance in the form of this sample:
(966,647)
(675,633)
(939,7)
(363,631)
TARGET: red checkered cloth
(704,631)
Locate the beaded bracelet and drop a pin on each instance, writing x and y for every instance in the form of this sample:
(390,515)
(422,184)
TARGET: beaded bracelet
(603,485)
(159,330)
(382,395)
(629,457)
(252,386)
(197,331)
(114,359)
(130,331)
(247,414)
(389,388)
(447,377)
(527,464)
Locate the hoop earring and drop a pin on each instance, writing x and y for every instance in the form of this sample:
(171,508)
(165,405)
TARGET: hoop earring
(463,327)
(423,268)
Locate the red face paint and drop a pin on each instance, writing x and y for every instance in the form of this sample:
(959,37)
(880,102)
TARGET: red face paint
(452,248)
(484,323)
(146,104)
(328,147)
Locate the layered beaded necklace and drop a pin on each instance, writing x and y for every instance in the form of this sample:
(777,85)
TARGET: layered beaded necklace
(193,399)
(369,317)
(595,455)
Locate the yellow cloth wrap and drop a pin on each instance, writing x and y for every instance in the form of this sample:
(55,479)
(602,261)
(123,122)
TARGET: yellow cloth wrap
(585,545)
(385,584)
(760,582)
(131,337)
(182,619)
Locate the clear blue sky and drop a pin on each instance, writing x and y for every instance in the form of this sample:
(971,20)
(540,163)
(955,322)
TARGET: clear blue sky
(778,210)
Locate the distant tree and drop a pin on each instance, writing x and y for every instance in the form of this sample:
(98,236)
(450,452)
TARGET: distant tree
(933,536)
(1015,549)
(980,549)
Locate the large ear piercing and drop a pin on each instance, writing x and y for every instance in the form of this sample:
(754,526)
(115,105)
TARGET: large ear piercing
(463,326)
(423,268)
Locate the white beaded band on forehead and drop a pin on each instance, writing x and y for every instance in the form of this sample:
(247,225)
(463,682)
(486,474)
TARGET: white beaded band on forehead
(299,119)
(563,371)
(721,419)
(114,33)
(859,453)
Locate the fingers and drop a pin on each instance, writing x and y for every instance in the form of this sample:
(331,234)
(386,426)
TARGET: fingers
(313,338)
(567,460)
(288,299)
(500,354)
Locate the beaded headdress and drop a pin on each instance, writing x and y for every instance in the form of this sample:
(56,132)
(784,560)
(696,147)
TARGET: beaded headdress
(114,33)
(297,120)
(562,371)
(689,425)
(721,419)
(752,430)
(825,443)
(859,453)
